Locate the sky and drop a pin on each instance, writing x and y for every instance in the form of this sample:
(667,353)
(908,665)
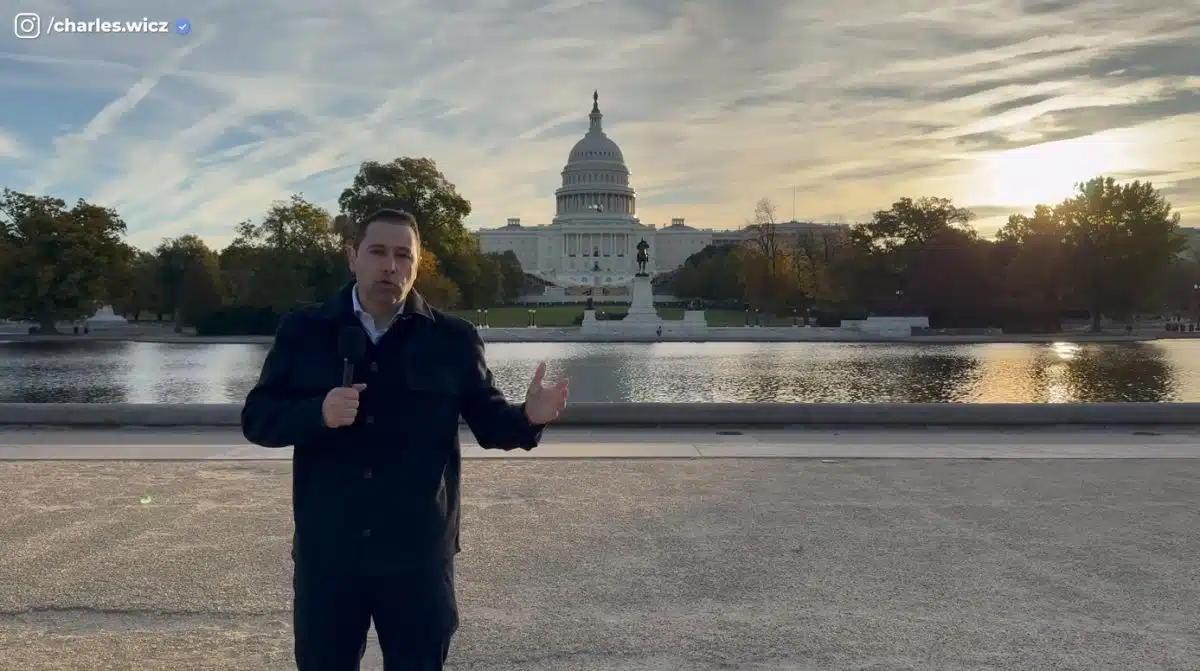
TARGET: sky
(831,109)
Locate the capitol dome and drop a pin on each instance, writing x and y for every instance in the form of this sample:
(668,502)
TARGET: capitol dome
(595,180)
(595,145)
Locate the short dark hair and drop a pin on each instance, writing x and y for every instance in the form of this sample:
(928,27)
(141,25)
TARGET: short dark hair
(387,215)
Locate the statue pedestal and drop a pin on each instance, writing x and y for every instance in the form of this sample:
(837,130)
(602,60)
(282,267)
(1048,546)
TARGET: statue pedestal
(641,308)
(641,322)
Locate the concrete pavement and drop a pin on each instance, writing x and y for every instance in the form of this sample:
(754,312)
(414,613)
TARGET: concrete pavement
(848,550)
(580,443)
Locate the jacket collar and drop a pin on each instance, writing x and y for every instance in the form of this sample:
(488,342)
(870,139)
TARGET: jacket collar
(340,306)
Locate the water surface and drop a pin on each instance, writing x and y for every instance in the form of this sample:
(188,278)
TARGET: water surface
(1169,371)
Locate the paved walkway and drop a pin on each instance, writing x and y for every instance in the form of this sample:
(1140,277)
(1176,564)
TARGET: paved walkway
(902,561)
(575,443)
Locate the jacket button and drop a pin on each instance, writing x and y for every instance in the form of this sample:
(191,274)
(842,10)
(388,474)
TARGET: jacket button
(366,533)
(367,475)
(374,367)
(370,419)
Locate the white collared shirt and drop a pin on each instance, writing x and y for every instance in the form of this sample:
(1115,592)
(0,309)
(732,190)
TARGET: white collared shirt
(368,322)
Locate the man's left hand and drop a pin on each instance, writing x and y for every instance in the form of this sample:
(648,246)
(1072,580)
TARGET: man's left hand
(542,403)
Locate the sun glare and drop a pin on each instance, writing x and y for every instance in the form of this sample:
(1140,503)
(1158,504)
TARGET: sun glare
(1047,173)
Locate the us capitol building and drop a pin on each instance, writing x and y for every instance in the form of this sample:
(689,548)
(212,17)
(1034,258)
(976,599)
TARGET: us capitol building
(592,241)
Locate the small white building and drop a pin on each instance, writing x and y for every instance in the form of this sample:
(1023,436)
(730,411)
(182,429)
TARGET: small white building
(592,240)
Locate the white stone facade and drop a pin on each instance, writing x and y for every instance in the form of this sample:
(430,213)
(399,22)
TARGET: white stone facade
(592,240)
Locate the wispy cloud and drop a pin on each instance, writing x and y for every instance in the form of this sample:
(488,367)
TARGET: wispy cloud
(852,104)
(10,148)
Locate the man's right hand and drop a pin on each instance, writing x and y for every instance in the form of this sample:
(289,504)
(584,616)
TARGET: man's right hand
(341,406)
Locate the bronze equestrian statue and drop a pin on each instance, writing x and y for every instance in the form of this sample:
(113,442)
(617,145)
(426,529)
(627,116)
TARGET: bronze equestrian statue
(642,257)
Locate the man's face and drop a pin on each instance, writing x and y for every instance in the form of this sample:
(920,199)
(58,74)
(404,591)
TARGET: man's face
(385,263)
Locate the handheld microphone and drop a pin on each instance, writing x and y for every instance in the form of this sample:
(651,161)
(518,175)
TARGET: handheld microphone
(351,347)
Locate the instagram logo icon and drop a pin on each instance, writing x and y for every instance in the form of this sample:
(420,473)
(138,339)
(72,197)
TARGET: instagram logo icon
(27,26)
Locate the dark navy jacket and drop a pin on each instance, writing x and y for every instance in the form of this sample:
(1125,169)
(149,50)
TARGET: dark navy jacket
(386,489)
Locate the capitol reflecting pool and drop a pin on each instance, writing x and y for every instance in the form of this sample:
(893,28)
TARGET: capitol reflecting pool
(1169,370)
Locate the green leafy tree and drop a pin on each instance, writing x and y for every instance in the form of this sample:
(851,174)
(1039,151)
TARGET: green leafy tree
(711,274)
(1021,229)
(61,263)
(886,246)
(512,276)
(953,282)
(418,187)
(1032,253)
(189,274)
(1121,240)
(294,255)
(144,292)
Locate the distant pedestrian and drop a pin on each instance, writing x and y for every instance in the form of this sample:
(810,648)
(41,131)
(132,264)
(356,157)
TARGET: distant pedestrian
(377,460)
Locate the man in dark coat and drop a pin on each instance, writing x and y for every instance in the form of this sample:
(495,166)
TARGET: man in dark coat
(376,464)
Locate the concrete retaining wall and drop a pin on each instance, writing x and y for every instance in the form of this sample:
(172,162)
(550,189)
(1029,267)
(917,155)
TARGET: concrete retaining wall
(671,414)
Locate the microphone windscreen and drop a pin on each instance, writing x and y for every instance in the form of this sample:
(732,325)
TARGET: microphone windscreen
(352,344)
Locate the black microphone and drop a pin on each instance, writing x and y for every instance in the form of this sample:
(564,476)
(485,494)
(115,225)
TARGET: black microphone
(352,345)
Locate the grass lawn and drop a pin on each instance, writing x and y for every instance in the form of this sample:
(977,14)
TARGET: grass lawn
(515,316)
(509,316)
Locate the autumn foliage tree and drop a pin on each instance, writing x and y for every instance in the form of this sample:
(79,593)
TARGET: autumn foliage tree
(60,263)
(435,287)
(766,272)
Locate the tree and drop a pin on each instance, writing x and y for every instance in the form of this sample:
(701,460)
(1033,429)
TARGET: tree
(952,280)
(61,262)
(144,292)
(710,274)
(1032,254)
(910,224)
(189,274)
(434,287)
(1020,229)
(8,256)
(814,259)
(416,186)
(512,277)
(237,263)
(765,268)
(764,237)
(293,256)
(1120,241)
(885,247)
